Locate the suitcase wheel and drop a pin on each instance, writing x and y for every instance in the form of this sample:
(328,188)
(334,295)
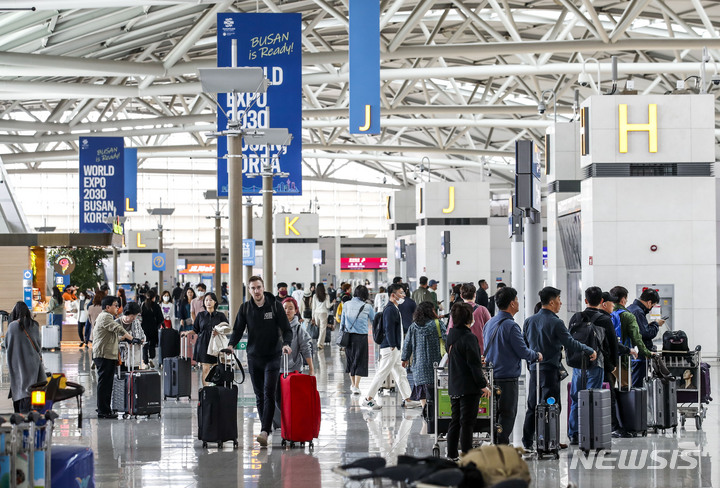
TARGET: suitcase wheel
(644,433)
(436,451)
(675,430)
(556,455)
(125,416)
(220,444)
(302,444)
(235,444)
(311,446)
(698,422)
(292,445)
(283,443)
(204,445)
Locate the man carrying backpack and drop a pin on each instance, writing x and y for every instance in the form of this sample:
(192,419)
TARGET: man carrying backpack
(640,308)
(592,327)
(629,330)
(390,351)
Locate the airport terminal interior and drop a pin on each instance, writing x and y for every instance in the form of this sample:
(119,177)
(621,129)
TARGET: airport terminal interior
(534,143)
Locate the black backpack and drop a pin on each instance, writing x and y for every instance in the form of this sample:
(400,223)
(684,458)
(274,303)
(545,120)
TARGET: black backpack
(583,331)
(675,340)
(378,328)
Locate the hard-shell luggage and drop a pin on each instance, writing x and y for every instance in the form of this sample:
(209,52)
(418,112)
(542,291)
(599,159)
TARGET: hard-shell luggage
(631,408)
(547,424)
(605,385)
(143,393)
(300,407)
(594,420)
(50,336)
(177,376)
(72,466)
(188,348)
(169,342)
(217,415)
(662,404)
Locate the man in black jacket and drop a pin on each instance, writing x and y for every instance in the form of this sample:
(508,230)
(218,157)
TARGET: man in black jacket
(640,308)
(481,296)
(266,322)
(546,333)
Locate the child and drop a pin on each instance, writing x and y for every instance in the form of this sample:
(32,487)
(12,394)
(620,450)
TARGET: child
(466,381)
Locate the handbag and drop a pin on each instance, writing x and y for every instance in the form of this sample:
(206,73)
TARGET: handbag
(344,336)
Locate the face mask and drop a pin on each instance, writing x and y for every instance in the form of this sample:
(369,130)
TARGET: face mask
(283,293)
(82,297)
(200,294)
(166,298)
(401,301)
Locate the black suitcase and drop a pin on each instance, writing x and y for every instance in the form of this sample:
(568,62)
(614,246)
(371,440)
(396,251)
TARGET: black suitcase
(217,415)
(143,393)
(594,420)
(547,425)
(177,378)
(169,342)
(631,409)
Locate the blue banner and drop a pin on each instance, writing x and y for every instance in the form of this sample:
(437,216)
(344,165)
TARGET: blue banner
(130,179)
(274,43)
(364,46)
(102,182)
(248,252)
(158,261)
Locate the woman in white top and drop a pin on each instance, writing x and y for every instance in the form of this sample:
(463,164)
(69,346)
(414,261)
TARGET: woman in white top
(381,299)
(320,309)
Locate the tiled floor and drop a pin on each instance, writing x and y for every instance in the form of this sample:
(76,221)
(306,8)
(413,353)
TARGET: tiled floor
(164,452)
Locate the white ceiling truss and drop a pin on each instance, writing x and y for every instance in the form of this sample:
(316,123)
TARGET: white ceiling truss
(461,79)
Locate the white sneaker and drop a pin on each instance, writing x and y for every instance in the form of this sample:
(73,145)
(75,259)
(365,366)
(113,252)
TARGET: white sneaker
(354,390)
(262,439)
(371,404)
(412,404)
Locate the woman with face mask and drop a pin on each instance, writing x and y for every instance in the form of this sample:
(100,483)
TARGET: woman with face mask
(166,305)
(83,305)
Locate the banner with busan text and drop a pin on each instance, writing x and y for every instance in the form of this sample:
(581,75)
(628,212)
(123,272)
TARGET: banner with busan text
(102,182)
(274,43)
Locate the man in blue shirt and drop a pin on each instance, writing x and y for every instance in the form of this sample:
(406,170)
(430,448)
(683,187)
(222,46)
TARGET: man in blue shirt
(391,351)
(504,349)
(545,332)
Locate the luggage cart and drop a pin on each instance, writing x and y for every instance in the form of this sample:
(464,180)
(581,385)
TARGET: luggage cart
(485,423)
(691,401)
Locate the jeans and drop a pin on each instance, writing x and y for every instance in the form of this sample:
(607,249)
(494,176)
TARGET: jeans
(390,363)
(595,378)
(507,408)
(105,374)
(549,387)
(464,412)
(639,372)
(88,331)
(264,373)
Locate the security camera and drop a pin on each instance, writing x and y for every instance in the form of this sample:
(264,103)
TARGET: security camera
(584,79)
(715,79)
(541,107)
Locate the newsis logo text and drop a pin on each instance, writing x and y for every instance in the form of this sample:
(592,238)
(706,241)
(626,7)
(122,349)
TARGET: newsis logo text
(632,459)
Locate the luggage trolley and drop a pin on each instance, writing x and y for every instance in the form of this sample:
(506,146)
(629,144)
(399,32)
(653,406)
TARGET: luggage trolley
(691,401)
(485,423)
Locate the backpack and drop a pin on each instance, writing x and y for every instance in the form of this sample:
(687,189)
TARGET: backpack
(675,340)
(378,328)
(615,316)
(584,332)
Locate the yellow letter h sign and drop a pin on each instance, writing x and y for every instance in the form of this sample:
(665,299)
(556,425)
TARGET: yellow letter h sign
(651,128)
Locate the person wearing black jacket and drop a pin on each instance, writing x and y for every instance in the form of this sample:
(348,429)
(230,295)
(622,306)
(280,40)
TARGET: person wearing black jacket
(152,320)
(204,327)
(466,381)
(481,296)
(269,335)
(640,308)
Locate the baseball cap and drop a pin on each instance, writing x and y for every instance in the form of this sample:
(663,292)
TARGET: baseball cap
(607,297)
(432,282)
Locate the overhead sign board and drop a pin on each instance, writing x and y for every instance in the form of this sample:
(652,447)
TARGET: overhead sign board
(248,252)
(361,264)
(102,182)
(158,261)
(364,60)
(274,43)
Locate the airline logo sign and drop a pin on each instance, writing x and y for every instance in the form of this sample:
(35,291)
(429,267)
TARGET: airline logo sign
(362,264)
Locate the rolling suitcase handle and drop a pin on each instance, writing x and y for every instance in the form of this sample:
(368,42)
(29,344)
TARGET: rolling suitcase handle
(286,364)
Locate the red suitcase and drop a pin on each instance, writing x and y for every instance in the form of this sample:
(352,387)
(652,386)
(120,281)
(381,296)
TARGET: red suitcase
(300,408)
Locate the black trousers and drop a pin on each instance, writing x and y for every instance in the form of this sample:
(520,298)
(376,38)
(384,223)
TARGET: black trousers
(613,414)
(264,373)
(24,405)
(148,351)
(81,331)
(464,412)
(549,387)
(105,374)
(507,408)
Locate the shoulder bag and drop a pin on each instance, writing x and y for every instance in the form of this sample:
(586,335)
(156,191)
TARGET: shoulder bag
(344,336)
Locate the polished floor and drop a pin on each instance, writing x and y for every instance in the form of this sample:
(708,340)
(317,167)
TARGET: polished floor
(164,452)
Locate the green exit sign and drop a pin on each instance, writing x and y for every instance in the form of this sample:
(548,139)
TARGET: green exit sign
(242,345)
